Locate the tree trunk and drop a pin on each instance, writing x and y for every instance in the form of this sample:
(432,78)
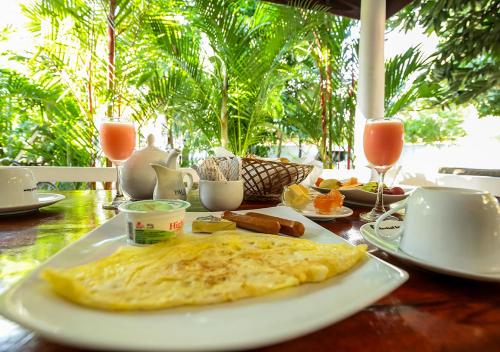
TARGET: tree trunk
(280,143)
(111,69)
(111,56)
(348,156)
(322,90)
(170,138)
(224,135)
(328,93)
(324,152)
(300,147)
(352,119)
(90,104)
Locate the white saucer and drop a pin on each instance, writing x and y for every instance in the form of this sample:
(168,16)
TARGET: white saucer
(310,212)
(44,199)
(391,246)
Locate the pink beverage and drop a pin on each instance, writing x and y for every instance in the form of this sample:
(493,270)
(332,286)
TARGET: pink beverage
(117,140)
(383,142)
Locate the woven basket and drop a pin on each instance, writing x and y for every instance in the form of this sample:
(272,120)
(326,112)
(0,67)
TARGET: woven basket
(264,180)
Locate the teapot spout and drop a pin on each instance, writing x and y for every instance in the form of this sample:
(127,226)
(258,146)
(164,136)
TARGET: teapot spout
(171,161)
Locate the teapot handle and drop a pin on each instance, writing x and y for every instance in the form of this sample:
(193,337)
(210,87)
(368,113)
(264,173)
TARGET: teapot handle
(190,181)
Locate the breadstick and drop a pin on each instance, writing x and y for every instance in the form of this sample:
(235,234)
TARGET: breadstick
(288,227)
(253,223)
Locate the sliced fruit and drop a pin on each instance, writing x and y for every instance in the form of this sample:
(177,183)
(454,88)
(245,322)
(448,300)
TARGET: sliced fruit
(353,181)
(296,196)
(371,187)
(328,203)
(330,183)
(397,191)
(318,181)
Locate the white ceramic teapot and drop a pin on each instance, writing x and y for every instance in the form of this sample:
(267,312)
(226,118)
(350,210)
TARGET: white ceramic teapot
(138,177)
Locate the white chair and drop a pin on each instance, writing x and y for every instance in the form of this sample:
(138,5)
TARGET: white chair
(481,183)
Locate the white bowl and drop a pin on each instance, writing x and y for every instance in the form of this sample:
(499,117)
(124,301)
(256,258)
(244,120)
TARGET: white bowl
(221,195)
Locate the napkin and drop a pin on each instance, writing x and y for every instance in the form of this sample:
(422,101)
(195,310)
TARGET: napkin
(219,169)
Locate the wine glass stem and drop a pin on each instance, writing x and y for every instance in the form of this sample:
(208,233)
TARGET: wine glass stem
(118,185)
(379,204)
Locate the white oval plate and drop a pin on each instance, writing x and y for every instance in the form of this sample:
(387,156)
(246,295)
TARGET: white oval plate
(44,199)
(369,198)
(244,324)
(391,246)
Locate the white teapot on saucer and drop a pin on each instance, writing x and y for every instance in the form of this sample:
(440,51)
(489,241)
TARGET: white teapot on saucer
(138,177)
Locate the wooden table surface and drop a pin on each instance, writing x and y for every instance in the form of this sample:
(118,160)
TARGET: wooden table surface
(430,312)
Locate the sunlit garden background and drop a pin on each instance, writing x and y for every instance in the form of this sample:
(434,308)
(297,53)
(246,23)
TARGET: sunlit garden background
(253,77)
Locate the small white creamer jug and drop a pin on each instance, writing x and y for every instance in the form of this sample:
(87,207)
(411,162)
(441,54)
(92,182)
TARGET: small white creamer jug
(170,183)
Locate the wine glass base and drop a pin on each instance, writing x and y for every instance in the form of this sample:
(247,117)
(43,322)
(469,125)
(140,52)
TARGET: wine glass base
(373,215)
(115,203)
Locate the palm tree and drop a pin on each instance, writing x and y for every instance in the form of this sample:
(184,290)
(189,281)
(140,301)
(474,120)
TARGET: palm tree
(90,49)
(404,81)
(232,60)
(44,125)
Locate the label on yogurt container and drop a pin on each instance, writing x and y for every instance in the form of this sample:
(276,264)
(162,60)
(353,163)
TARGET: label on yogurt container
(152,221)
(140,233)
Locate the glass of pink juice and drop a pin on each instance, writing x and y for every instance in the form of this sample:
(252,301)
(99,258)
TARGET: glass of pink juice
(383,141)
(117,138)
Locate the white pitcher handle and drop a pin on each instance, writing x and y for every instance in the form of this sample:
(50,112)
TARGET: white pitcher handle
(386,214)
(190,181)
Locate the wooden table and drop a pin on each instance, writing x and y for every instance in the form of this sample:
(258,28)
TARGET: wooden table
(430,312)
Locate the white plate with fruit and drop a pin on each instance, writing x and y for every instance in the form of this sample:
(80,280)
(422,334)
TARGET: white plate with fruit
(361,194)
(315,205)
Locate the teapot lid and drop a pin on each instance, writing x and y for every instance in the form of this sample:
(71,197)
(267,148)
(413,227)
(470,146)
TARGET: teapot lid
(151,141)
(150,153)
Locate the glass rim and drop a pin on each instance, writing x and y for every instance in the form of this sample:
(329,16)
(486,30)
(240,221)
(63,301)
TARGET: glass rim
(375,119)
(102,119)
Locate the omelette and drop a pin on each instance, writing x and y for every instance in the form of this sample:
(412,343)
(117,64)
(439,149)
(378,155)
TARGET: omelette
(196,270)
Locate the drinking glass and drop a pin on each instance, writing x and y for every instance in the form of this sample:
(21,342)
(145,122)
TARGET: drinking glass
(117,138)
(382,144)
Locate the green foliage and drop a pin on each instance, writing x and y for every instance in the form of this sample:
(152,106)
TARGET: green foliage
(467,61)
(43,127)
(405,82)
(244,74)
(319,98)
(232,58)
(435,125)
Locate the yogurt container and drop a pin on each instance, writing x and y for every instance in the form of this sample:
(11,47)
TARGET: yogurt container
(153,221)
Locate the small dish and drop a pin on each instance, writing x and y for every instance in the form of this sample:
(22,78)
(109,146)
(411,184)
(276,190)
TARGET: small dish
(311,213)
(44,199)
(391,246)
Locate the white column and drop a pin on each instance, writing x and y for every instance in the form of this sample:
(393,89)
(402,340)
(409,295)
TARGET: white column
(370,96)
(371,59)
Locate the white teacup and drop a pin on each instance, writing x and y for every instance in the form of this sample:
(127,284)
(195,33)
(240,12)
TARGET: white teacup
(17,187)
(221,195)
(452,227)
